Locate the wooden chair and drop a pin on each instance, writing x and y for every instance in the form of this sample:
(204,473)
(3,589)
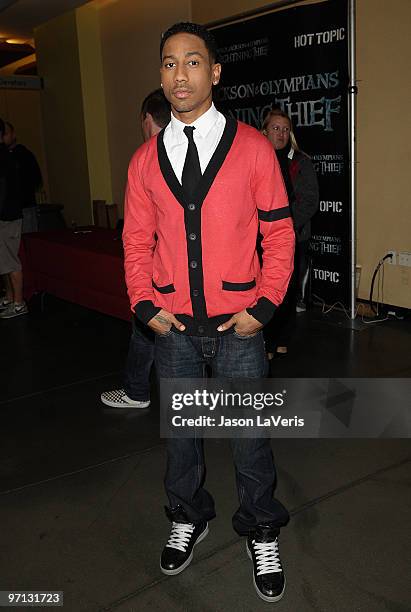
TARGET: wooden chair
(99,213)
(112,215)
(105,215)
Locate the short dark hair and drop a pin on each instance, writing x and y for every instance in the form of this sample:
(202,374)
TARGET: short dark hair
(2,127)
(9,125)
(158,106)
(195,29)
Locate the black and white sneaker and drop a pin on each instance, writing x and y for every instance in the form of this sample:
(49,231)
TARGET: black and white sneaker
(268,574)
(118,398)
(178,552)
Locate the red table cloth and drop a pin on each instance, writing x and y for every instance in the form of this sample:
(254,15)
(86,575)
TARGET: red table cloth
(84,266)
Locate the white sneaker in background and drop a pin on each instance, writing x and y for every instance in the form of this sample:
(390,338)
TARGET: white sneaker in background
(14,310)
(5,304)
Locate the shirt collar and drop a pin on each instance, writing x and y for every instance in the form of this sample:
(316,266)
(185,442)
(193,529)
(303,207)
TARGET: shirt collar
(202,125)
(291,153)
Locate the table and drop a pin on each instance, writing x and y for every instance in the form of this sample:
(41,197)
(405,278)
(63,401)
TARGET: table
(84,266)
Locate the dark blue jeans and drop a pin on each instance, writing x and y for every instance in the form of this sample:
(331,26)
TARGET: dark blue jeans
(228,356)
(140,358)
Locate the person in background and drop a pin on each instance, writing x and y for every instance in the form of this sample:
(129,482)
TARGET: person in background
(29,177)
(302,187)
(12,304)
(135,393)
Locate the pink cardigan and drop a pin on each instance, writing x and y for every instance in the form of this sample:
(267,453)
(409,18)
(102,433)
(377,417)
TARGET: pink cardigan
(196,257)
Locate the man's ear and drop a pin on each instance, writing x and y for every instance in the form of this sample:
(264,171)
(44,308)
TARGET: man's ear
(216,71)
(148,120)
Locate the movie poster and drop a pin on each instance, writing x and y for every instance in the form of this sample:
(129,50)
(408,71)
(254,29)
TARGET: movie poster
(297,59)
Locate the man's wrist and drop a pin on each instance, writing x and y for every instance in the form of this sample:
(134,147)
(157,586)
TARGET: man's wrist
(145,311)
(263,311)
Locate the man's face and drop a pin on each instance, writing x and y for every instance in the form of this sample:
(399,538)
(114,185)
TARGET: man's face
(187,76)
(9,137)
(278,132)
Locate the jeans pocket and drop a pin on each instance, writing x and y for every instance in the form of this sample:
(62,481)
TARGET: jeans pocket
(166,334)
(237,335)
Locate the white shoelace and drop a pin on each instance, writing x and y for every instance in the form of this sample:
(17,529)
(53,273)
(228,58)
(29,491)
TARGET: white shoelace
(180,536)
(267,557)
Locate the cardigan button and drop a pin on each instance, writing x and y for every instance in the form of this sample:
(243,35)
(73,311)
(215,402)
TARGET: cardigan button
(193,264)
(191,207)
(192,236)
(196,292)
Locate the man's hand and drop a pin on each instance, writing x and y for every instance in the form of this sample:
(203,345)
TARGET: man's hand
(245,324)
(163,321)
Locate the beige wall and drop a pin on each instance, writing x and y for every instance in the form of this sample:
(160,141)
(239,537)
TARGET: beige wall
(98,64)
(384,142)
(130,38)
(94,102)
(63,117)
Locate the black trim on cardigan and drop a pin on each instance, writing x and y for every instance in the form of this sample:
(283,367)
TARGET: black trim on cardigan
(164,289)
(145,310)
(263,311)
(192,222)
(207,328)
(192,216)
(227,286)
(274,215)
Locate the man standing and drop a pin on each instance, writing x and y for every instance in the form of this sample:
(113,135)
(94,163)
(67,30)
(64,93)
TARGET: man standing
(155,114)
(203,187)
(29,177)
(13,304)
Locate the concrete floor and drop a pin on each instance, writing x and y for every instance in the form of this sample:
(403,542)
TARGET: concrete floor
(81,487)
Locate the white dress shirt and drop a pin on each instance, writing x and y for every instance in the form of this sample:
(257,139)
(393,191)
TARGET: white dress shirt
(207,134)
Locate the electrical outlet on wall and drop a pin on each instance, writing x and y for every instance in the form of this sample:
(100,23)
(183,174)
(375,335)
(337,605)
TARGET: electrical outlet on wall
(404,258)
(393,260)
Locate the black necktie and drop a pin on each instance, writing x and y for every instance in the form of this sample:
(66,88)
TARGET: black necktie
(191,171)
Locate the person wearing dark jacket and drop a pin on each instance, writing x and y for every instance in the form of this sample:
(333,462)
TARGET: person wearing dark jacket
(29,177)
(13,304)
(302,187)
(135,393)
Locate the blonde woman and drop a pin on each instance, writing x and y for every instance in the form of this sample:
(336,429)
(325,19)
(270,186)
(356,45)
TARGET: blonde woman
(302,187)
